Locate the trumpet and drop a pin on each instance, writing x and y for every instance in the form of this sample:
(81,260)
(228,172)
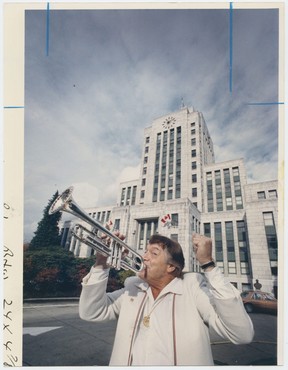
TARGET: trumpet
(119,254)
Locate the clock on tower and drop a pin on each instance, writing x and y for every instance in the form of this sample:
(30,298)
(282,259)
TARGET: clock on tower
(169,122)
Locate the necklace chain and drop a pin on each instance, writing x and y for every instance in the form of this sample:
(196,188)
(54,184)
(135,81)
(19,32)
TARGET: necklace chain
(146,318)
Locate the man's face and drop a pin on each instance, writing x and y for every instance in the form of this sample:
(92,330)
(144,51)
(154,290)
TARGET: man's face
(156,263)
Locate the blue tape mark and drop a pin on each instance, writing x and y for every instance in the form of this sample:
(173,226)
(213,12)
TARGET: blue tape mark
(14,107)
(231,45)
(47,28)
(268,103)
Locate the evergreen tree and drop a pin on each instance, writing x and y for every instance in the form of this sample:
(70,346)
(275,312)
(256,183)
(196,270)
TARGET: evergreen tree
(47,233)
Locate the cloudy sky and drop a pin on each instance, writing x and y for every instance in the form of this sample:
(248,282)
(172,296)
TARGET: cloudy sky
(109,73)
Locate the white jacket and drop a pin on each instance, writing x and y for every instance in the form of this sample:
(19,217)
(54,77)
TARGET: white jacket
(199,304)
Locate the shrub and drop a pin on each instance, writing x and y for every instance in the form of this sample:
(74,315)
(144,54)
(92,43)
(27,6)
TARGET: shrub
(56,272)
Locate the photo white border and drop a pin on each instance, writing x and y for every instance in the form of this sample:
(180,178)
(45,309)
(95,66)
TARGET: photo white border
(13,150)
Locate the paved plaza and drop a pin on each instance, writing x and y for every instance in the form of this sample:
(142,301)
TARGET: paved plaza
(54,335)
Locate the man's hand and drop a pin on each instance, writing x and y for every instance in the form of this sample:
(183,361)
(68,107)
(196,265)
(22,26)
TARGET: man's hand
(101,260)
(202,247)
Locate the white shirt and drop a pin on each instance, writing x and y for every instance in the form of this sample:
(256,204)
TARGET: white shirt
(154,345)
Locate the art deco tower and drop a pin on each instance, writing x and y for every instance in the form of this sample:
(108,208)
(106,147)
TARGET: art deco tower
(176,147)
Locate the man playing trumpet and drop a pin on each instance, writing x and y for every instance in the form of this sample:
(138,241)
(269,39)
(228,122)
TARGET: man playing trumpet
(164,315)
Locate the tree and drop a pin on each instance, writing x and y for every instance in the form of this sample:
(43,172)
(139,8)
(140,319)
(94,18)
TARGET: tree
(47,233)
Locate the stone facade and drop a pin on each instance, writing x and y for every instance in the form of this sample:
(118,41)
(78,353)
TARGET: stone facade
(182,190)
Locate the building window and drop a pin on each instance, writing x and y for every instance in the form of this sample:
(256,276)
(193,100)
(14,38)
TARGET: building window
(147,140)
(244,267)
(178,191)
(194,165)
(239,203)
(146,149)
(210,205)
(217,177)
(143,182)
(232,267)
(193,141)
(219,204)
(227,176)
(261,195)
(236,175)
(122,196)
(218,241)
(194,178)
(218,190)
(103,217)
(117,224)
(174,237)
(229,205)
(228,193)
(272,194)
(194,192)
(128,195)
(237,188)
(142,194)
(271,237)
(171,164)
(207,230)
(209,192)
(145,160)
(174,219)
(193,153)
(155,195)
(227,185)
(193,131)
(243,247)
(219,199)
(133,195)
(163,166)
(230,241)
(192,124)
(156,168)
(178,164)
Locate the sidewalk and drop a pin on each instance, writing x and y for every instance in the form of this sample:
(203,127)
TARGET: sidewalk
(76,342)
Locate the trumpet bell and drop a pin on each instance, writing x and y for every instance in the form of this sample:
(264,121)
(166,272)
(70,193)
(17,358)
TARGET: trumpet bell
(61,201)
(119,254)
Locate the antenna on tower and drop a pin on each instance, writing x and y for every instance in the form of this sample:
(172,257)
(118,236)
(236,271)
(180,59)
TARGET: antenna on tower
(182,103)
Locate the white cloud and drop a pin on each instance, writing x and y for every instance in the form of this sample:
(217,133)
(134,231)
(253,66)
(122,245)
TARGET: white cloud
(85,194)
(263,171)
(129,174)
(110,74)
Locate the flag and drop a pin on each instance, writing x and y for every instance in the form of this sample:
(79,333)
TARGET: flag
(166,221)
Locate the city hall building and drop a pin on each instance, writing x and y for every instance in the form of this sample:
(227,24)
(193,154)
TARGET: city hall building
(182,190)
